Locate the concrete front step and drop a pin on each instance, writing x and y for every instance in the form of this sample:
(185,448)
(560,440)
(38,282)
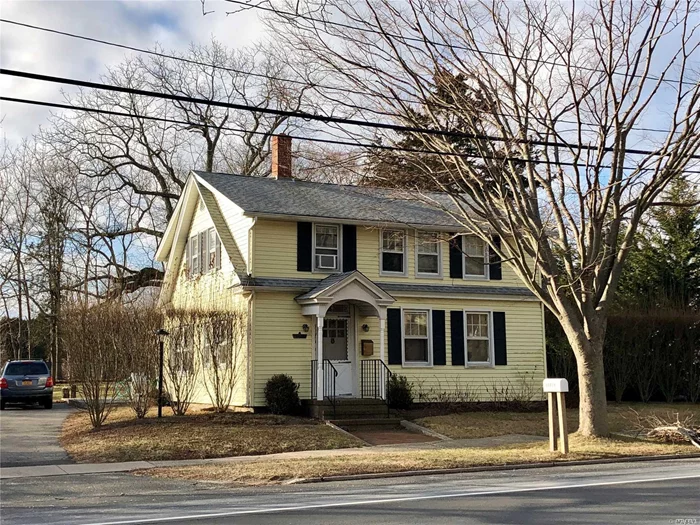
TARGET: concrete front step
(348,408)
(370,422)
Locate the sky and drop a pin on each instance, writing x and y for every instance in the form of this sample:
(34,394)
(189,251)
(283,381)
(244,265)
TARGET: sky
(174,24)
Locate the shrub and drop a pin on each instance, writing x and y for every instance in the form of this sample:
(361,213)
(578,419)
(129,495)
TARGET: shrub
(282,395)
(400,392)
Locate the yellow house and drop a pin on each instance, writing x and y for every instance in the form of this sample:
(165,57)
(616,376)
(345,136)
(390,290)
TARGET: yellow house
(344,285)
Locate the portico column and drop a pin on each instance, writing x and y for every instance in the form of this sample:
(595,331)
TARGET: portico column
(382,330)
(319,363)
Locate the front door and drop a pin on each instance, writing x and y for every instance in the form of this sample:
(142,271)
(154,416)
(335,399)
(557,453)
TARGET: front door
(335,349)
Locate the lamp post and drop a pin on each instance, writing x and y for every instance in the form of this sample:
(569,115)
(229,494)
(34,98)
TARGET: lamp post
(161,333)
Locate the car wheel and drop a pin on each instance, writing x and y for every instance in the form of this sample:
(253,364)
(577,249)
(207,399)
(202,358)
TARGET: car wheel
(2,405)
(48,403)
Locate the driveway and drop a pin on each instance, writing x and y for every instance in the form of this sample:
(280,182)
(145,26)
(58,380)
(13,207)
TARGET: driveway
(29,436)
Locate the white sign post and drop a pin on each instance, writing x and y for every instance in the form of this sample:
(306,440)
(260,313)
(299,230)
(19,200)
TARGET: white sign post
(555,389)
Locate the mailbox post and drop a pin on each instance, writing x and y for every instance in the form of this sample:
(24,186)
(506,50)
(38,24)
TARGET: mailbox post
(555,389)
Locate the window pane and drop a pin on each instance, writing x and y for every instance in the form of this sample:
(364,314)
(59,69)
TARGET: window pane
(327,237)
(416,350)
(477,351)
(392,262)
(416,324)
(477,325)
(428,264)
(392,240)
(474,247)
(474,266)
(427,242)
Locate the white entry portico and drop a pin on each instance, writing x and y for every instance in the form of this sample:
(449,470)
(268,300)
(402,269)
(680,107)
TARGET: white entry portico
(361,297)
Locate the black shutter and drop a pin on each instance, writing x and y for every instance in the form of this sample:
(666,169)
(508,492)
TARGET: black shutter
(439,357)
(457,336)
(456,258)
(304,250)
(499,338)
(495,273)
(349,247)
(393,318)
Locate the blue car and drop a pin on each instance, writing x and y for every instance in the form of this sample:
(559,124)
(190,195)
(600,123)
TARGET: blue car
(26,382)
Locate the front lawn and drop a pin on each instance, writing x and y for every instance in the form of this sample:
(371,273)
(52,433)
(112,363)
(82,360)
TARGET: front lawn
(487,424)
(266,471)
(200,434)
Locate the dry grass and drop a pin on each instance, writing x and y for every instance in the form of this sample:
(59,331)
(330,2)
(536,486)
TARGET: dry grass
(487,424)
(267,471)
(200,435)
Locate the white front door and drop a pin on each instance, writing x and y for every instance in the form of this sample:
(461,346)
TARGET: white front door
(335,349)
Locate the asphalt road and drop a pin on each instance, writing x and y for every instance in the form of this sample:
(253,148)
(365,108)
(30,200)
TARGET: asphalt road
(29,435)
(659,492)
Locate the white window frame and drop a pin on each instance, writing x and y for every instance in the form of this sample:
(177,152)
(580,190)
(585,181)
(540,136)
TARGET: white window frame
(486,276)
(439,255)
(211,249)
(194,254)
(382,251)
(339,260)
(478,364)
(417,364)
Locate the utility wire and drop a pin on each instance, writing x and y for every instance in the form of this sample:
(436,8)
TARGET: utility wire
(308,139)
(312,85)
(321,118)
(426,40)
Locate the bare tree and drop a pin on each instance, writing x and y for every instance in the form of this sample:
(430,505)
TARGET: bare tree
(183,365)
(577,119)
(222,354)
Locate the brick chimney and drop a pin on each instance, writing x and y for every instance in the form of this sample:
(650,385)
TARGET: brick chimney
(282,157)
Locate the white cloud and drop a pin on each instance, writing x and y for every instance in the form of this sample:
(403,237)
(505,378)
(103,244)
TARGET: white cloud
(140,23)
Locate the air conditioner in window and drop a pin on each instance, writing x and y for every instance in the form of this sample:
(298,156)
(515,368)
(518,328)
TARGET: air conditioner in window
(326,262)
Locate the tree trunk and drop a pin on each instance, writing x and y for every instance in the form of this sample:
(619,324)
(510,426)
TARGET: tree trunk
(592,412)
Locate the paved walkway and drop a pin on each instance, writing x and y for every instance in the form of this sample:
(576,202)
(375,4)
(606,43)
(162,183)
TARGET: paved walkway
(98,468)
(29,436)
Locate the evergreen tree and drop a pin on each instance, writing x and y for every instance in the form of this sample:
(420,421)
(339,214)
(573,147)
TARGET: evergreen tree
(663,270)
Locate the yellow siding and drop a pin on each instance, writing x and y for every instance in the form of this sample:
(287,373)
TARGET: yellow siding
(275,255)
(211,291)
(277,317)
(238,224)
(525,349)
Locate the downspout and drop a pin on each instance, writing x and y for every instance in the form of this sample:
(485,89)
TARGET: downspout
(250,391)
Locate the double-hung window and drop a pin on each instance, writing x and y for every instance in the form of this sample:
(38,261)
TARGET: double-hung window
(478,334)
(327,248)
(475,257)
(393,256)
(416,337)
(204,252)
(194,255)
(212,249)
(427,254)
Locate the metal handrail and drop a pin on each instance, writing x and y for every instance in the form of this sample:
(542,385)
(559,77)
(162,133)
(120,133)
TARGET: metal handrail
(372,371)
(330,373)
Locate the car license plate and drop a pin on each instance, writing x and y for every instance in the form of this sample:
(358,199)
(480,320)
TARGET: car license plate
(27,382)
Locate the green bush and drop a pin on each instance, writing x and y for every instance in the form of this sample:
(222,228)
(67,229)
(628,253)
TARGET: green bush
(400,392)
(282,395)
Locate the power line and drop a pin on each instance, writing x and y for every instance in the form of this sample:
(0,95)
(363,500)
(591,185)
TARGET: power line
(312,85)
(425,40)
(308,139)
(312,116)
(173,57)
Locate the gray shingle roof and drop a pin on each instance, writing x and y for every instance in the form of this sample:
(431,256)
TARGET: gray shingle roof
(325,284)
(268,196)
(308,285)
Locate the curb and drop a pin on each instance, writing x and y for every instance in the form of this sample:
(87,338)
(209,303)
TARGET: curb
(492,468)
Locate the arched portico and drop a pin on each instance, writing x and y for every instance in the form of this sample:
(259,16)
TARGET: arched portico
(361,295)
